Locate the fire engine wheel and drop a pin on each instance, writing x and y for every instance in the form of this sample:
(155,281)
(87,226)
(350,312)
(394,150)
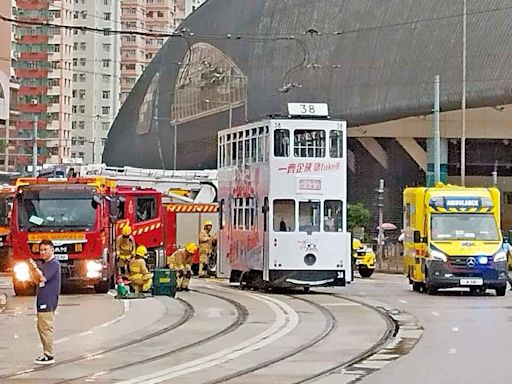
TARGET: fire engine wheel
(416,287)
(23,290)
(431,289)
(102,287)
(365,272)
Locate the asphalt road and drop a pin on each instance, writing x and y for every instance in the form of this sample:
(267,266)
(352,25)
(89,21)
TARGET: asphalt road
(374,331)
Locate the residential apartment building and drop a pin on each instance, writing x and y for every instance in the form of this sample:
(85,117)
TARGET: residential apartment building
(137,51)
(44,67)
(8,90)
(96,71)
(192,5)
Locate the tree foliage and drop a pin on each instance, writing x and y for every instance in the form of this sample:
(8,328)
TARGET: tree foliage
(357,216)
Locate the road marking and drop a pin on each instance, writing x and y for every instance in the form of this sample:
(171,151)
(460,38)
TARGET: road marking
(452,351)
(62,340)
(435,313)
(403,301)
(126,309)
(455,329)
(213,312)
(349,304)
(286,319)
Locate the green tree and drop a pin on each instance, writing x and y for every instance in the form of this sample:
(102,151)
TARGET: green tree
(357,216)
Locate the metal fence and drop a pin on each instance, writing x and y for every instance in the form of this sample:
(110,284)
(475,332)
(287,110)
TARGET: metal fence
(392,259)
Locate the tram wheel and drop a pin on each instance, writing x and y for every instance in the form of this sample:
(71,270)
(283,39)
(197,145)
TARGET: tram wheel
(306,289)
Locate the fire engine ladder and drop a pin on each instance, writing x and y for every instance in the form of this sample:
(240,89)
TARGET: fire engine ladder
(201,186)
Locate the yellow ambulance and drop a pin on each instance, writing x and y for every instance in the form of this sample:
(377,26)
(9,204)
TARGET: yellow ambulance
(452,238)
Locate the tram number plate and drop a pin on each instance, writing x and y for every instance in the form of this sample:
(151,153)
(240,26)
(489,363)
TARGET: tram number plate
(61,257)
(471,282)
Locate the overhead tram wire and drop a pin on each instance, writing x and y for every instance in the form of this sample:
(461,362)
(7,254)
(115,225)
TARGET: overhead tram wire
(260,37)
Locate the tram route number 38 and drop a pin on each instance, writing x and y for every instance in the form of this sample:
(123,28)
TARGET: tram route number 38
(308,109)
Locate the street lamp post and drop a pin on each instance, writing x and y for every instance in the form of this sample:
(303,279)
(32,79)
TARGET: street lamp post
(463,107)
(34,146)
(175,125)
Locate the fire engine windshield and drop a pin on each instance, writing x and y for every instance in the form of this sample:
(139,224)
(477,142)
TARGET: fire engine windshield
(56,210)
(464,226)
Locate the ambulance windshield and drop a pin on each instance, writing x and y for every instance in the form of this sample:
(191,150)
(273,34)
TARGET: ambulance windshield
(464,226)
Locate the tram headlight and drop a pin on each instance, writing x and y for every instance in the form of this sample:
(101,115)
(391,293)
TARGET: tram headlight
(22,272)
(500,256)
(94,268)
(438,255)
(310,259)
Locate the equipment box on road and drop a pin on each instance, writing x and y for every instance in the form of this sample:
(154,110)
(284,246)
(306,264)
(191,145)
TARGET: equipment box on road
(164,282)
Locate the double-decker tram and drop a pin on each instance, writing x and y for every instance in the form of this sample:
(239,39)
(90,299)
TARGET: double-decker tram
(282,201)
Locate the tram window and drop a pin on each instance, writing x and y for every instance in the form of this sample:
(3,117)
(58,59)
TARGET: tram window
(247,151)
(240,152)
(336,144)
(309,216)
(333,216)
(281,143)
(284,215)
(254,150)
(309,143)
(233,152)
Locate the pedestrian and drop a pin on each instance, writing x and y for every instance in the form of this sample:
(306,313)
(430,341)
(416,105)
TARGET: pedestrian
(508,249)
(205,247)
(182,261)
(47,279)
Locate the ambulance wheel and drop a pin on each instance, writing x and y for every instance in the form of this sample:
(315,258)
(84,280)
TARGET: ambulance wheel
(102,287)
(24,290)
(431,289)
(416,287)
(365,272)
(501,291)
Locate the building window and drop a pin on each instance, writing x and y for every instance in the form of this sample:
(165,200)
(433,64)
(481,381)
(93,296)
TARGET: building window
(105,110)
(106,63)
(106,47)
(106,15)
(106,94)
(81,125)
(105,126)
(74,109)
(83,46)
(81,108)
(82,61)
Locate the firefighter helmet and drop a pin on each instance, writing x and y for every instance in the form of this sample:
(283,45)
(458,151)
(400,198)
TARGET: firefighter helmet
(191,248)
(207,222)
(127,230)
(141,251)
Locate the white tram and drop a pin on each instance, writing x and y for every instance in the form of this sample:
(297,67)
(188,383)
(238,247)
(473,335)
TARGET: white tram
(282,201)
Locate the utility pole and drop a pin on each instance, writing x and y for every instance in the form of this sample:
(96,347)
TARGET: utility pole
(175,145)
(437,134)
(380,204)
(463,107)
(34,146)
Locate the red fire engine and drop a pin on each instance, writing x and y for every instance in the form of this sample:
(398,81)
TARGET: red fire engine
(78,215)
(83,216)
(6,198)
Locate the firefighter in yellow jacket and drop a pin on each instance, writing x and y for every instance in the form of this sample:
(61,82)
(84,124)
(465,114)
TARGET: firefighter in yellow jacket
(140,278)
(181,260)
(205,247)
(125,250)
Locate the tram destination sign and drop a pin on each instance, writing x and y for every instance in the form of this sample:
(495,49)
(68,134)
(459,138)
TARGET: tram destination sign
(308,109)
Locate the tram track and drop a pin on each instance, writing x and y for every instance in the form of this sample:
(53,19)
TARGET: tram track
(392,328)
(241,318)
(188,313)
(329,327)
